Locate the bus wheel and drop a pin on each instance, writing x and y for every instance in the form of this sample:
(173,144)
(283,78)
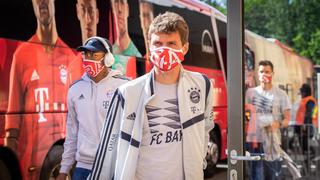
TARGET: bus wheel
(213,155)
(5,173)
(51,165)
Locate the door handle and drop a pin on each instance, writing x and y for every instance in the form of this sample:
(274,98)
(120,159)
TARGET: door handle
(248,157)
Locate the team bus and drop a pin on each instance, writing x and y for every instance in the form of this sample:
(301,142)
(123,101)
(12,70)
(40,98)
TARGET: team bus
(38,62)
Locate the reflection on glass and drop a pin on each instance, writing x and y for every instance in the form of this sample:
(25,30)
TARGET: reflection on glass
(270,110)
(281,113)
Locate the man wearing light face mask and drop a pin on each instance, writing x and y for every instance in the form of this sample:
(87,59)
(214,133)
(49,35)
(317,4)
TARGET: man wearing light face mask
(160,120)
(88,101)
(271,112)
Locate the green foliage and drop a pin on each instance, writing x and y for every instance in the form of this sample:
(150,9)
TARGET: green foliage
(293,22)
(314,47)
(218,4)
(310,48)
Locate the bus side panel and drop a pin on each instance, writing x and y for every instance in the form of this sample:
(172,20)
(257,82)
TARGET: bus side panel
(219,104)
(220,120)
(33,116)
(35,140)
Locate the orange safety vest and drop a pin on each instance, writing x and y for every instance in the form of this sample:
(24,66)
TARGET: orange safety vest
(302,110)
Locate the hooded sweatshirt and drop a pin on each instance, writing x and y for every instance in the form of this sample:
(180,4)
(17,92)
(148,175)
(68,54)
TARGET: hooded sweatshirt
(87,107)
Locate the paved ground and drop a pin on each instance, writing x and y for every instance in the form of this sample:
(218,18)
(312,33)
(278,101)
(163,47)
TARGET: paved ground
(220,175)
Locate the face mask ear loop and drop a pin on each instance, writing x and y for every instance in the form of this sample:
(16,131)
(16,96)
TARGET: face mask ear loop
(88,60)
(166,47)
(101,61)
(177,50)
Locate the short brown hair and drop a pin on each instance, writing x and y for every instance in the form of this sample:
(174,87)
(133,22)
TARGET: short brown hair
(266,63)
(170,22)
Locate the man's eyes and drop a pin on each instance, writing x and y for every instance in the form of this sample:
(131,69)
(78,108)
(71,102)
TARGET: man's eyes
(157,43)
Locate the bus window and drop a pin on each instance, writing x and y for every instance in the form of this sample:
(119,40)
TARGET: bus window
(222,32)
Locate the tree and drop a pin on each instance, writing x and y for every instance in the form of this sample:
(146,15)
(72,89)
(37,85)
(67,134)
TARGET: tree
(218,4)
(307,28)
(293,22)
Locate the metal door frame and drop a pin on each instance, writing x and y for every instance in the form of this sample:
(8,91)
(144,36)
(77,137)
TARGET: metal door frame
(235,84)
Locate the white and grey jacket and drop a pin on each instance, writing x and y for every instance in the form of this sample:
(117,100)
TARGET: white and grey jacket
(87,107)
(118,151)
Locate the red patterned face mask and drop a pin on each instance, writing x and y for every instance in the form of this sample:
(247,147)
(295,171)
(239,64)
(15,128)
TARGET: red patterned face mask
(265,78)
(93,68)
(166,58)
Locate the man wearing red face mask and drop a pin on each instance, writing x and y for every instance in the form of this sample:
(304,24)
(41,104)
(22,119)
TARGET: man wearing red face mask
(160,121)
(88,101)
(271,112)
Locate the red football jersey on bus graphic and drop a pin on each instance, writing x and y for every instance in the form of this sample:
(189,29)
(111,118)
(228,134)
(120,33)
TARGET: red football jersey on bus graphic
(39,82)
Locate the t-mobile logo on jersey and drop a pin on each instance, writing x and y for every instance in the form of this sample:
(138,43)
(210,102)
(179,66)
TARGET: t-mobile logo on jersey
(41,96)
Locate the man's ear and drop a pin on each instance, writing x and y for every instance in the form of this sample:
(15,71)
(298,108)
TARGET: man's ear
(185,48)
(127,9)
(78,11)
(97,14)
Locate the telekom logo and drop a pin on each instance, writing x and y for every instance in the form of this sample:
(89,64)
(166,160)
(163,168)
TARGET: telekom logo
(41,98)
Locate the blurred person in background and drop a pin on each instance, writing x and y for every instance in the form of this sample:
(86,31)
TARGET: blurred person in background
(270,111)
